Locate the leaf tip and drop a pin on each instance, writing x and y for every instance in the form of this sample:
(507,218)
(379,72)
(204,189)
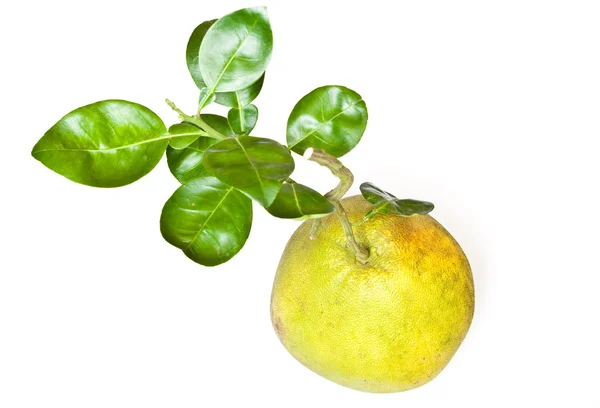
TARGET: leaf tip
(260,9)
(37,149)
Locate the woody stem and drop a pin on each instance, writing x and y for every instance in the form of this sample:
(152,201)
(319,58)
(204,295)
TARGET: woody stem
(334,196)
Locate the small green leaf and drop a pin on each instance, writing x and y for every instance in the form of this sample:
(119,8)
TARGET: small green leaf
(241,98)
(408,206)
(184,134)
(296,201)
(242,121)
(193,50)
(374,194)
(186,164)
(236,50)
(208,220)
(331,118)
(254,165)
(218,123)
(386,203)
(106,144)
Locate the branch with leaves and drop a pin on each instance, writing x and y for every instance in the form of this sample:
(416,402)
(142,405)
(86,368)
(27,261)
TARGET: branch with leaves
(222,168)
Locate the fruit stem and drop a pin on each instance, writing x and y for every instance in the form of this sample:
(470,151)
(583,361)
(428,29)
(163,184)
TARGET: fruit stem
(334,196)
(196,120)
(337,168)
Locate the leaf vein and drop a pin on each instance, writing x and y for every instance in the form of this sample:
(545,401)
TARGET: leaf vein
(325,123)
(112,148)
(208,218)
(296,199)
(233,56)
(258,177)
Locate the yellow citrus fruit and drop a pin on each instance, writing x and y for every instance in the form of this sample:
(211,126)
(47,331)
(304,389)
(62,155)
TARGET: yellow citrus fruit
(389,325)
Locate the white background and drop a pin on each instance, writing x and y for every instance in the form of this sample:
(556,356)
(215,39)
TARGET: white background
(488,109)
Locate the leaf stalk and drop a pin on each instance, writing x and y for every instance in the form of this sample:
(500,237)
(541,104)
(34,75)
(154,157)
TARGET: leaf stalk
(196,120)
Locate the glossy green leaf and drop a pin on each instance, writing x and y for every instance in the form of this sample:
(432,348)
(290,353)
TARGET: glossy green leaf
(208,220)
(234,99)
(386,203)
(374,194)
(218,123)
(186,164)
(241,98)
(331,118)
(299,202)
(256,166)
(243,120)
(106,144)
(184,134)
(236,50)
(192,52)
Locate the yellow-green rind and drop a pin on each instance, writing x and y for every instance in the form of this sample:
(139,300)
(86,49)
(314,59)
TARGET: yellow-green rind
(390,325)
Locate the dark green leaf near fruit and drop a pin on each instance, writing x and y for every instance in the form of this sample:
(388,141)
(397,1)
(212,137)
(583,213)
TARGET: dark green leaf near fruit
(386,203)
(299,202)
(331,118)
(255,165)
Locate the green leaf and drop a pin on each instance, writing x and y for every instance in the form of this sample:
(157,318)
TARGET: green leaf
(208,220)
(236,50)
(386,203)
(106,144)
(331,118)
(186,164)
(374,194)
(193,50)
(241,98)
(206,98)
(184,134)
(254,165)
(218,123)
(296,201)
(234,99)
(242,121)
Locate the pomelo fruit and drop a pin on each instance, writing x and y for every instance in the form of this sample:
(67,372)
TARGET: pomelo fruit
(389,325)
